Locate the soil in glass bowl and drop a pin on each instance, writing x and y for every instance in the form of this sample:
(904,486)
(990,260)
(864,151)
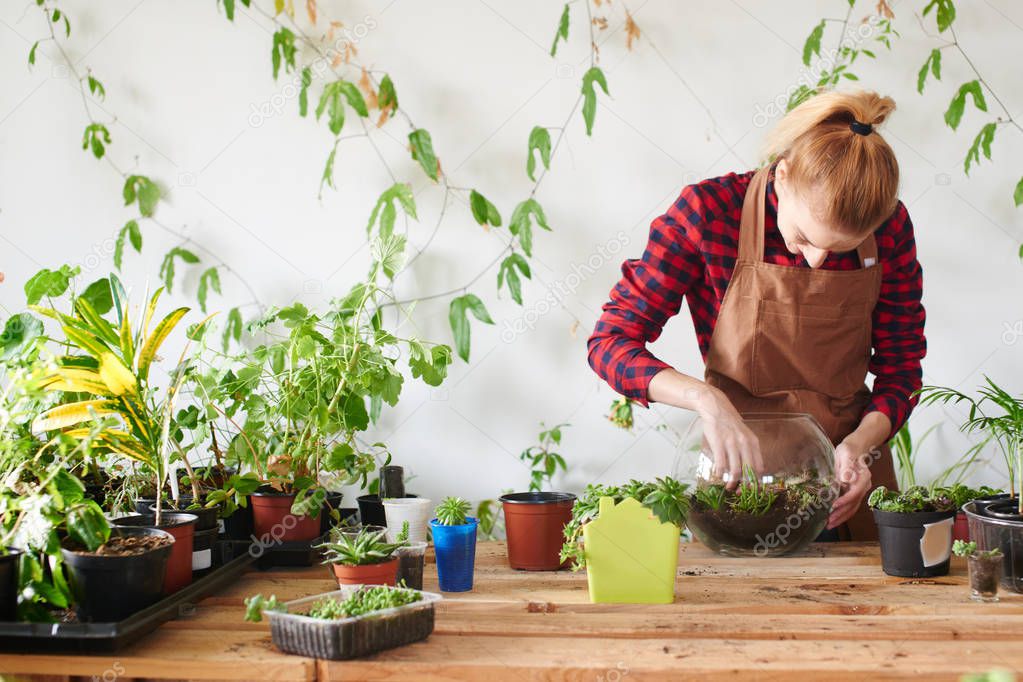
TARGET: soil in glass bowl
(776,509)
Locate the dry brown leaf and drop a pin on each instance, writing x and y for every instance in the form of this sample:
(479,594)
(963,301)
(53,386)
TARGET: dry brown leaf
(574,328)
(310,9)
(600,22)
(632,30)
(367,89)
(350,51)
(334,26)
(336,61)
(884,9)
(384,115)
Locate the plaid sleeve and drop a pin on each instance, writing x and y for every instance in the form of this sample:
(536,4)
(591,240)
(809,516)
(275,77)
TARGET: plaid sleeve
(898,334)
(649,292)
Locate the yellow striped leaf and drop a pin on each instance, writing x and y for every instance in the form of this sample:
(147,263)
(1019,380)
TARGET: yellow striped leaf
(115,375)
(76,380)
(88,342)
(155,340)
(97,325)
(73,413)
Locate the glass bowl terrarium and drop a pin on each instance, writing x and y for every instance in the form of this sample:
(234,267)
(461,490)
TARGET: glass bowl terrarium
(770,507)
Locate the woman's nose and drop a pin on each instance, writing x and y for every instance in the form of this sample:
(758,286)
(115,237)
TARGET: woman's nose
(814,257)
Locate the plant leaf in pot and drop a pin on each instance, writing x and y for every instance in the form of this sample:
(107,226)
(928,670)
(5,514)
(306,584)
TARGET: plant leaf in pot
(454,541)
(535,524)
(362,557)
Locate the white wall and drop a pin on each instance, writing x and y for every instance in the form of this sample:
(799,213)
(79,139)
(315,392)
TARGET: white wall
(183,83)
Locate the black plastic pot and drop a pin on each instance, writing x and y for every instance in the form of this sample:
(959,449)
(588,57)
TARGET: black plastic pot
(900,536)
(207,516)
(142,504)
(202,549)
(371,509)
(9,583)
(392,481)
(110,588)
(238,526)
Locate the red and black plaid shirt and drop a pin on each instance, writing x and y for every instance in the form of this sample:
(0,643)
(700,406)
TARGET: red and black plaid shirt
(692,251)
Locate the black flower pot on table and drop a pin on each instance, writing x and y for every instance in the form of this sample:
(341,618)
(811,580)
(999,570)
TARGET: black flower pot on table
(915,544)
(9,583)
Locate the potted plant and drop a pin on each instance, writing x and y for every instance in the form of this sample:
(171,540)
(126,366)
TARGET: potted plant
(985,568)
(997,415)
(535,520)
(112,367)
(354,621)
(960,495)
(454,541)
(627,538)
(411,513)
(361,558)
(914,529)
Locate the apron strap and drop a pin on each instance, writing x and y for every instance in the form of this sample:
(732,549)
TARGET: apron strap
(751,226)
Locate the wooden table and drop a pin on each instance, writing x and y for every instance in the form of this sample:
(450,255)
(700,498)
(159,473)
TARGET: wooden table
(828,614)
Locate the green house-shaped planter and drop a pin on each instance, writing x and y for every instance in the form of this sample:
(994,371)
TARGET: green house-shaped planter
(631,555)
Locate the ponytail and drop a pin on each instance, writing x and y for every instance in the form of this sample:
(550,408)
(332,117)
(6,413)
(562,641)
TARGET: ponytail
(836,158)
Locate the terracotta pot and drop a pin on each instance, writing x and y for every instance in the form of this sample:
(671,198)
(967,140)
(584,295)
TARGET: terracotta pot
(535,523)
(272,520)
(961,528)
(368,574)
(182,527)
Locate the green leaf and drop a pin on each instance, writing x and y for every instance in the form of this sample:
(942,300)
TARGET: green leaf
(87,525)
(539,139)
(134,234)
(590,96)
(562,32)
(521,223)
(232,328)
(385,207)
(303,94)
(354,97)
(483,211)
(209,279)
(96,88)
(812,46)
(458,317)
(954,114)
(431,365)
(981,143)
(422,151)
(509,272)
(98,295)
(331,102)
(1017,195)
(932,64)
(96,137)
(144,190)
(328,170)
(387,98)
(32,53)
(283,51)
(946,13)
(49,283)
(388,252)
(167,266)
(19,332)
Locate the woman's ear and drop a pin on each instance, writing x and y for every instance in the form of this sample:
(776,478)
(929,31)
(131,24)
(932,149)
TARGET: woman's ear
(781,172)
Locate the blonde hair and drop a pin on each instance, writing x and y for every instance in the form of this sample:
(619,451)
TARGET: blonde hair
(854,178)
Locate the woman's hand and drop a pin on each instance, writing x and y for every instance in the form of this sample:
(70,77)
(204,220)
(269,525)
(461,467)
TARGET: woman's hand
(733,445)
(852,467)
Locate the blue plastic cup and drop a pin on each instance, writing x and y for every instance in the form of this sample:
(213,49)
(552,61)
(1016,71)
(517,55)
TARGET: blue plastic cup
(455,547)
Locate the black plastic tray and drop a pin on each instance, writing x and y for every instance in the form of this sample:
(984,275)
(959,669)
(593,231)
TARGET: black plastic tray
(96,638)
(282,554)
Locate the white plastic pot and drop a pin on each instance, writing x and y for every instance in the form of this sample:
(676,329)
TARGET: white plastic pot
(416,510)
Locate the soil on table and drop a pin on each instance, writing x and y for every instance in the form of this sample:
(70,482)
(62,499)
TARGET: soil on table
(124,545)
(786,522)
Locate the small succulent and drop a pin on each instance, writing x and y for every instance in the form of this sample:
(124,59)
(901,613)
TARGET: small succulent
(962,548)
(452,511)
(914,499)
(402,537)
(364,600)
(257,604)
(358,549)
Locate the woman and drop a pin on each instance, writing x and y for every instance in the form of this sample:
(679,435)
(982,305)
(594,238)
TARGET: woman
(793,274)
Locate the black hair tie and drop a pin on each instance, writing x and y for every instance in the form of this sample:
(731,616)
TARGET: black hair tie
(861,128)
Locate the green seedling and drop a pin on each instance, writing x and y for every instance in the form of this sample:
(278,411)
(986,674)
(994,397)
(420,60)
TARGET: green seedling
(452,511)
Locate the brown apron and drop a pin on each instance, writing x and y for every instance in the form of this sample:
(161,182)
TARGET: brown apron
(791,339)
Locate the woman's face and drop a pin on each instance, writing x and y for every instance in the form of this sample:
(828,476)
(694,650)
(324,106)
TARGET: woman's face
(803,232)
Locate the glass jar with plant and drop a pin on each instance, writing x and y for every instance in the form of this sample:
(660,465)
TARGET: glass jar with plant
(775,506)
(627,538)
(914,529)
(454,542)
(985,567)
(997,416)
(361,558)
(411,559)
